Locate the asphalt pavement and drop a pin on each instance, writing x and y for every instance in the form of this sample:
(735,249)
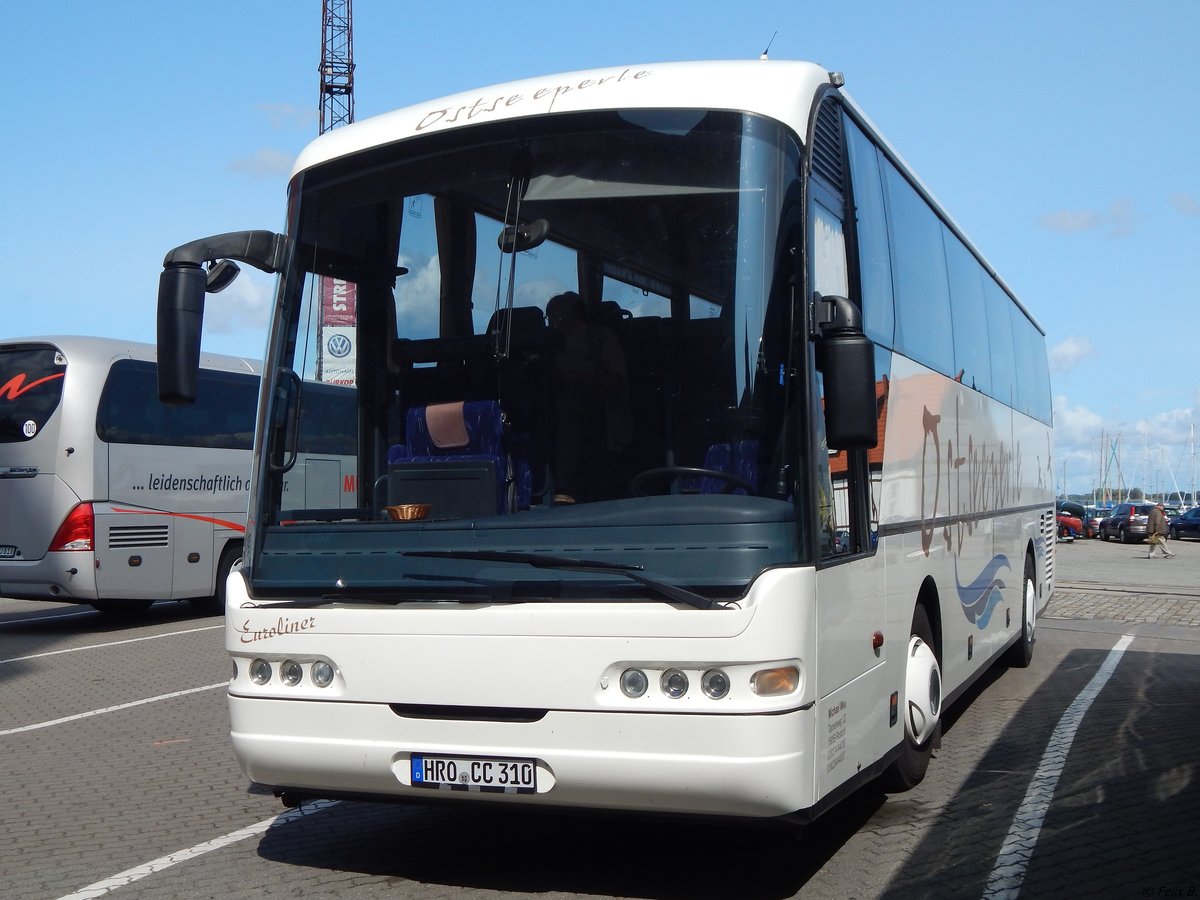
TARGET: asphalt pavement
(1109,581)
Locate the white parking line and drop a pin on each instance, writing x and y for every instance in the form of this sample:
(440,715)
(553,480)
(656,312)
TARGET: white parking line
(1007,875)
(149,637)
(108,709)
(64,615)
(129,876)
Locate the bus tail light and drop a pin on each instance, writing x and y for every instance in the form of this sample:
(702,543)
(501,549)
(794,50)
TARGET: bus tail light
(78,530)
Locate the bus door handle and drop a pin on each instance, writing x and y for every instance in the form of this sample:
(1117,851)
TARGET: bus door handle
(289,433)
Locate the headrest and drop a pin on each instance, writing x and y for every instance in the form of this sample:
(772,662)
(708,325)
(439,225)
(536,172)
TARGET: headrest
(447,425)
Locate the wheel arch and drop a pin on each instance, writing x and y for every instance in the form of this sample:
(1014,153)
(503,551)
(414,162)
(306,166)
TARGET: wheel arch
(928,597)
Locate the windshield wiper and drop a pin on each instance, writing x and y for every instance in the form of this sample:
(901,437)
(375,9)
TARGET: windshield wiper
(548,561)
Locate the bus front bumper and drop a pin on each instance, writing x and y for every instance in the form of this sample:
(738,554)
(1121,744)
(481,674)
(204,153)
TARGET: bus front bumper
(702,764)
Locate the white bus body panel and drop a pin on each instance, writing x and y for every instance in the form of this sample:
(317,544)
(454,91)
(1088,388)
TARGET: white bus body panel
(779,90)
(743,755)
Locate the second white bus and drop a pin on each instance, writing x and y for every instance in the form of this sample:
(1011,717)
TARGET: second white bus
(110,498)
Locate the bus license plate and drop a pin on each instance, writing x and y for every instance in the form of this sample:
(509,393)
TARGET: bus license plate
(474,773)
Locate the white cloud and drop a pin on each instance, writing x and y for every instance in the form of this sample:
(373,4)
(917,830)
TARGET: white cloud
(418,296)
(244,306)
(288,115)
(1069,353)
(1150,452)
(1075,424)
(1119,219)
(1067,221)
(265,163)
(1185,203)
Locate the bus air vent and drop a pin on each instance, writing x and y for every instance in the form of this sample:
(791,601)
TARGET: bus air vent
(827,146)
(123,537)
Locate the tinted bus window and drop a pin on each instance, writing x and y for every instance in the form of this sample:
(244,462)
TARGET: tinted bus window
(31,386)
(1043,403)
(874,260)
(999,316)
(222,416)
(923,329)
(972,364)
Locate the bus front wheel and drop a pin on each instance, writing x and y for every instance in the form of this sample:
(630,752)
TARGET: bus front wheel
(922,708)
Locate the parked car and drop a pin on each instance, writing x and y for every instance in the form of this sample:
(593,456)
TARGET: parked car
(1128,522)
(1092,515)
(1186,524)
(1070,519)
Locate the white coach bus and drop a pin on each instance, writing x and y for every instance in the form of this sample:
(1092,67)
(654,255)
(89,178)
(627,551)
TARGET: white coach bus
(702,461)
(110,498)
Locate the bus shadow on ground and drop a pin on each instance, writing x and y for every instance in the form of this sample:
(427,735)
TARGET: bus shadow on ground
(38,631)
(534,853)
(530,853)
(1121,821)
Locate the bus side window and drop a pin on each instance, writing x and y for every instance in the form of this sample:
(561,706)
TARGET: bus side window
(827,276)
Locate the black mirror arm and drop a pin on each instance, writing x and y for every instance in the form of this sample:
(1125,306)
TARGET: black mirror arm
(264,250)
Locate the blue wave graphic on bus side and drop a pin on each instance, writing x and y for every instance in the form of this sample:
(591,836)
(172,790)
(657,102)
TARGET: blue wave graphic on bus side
(980,598)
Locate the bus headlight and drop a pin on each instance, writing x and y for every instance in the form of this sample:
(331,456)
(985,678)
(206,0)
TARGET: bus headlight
(634,683)
(322,673)
(715,684)
(260,671)
(290,672)
(674,683)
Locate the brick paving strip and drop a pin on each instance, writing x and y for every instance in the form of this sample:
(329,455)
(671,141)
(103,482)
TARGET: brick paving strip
(1158,606)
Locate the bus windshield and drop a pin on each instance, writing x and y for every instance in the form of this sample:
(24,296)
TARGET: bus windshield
(568,335)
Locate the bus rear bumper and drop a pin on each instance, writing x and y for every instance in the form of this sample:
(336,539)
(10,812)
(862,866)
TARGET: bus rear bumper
(65,577)
(743,766)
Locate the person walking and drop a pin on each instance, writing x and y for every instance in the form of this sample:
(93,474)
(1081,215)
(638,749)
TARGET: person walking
(1158,530)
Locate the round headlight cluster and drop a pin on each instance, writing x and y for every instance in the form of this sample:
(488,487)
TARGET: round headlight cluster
(291,673)
(674,683)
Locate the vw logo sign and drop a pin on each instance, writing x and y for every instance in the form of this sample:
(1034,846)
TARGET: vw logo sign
(339,346)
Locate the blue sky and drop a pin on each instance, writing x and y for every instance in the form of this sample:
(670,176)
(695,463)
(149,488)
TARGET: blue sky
(1061,135)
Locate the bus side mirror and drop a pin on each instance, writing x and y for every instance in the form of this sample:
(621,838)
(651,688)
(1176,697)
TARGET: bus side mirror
(180,314)
(846,358)
(181,289)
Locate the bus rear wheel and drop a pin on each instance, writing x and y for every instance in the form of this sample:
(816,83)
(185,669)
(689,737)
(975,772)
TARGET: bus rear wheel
(1020,654)
(922,709)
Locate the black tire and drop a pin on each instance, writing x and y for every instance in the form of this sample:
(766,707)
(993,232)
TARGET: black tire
(1020,654)
(1124,535)
(908,769)
(215,605)
(1103,534)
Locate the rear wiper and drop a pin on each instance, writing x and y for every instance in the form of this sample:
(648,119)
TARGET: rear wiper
(548,561)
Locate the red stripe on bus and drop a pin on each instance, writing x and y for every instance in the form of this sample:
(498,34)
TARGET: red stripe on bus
(158,512)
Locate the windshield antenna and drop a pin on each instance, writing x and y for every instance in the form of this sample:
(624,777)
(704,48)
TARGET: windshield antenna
(769,43)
